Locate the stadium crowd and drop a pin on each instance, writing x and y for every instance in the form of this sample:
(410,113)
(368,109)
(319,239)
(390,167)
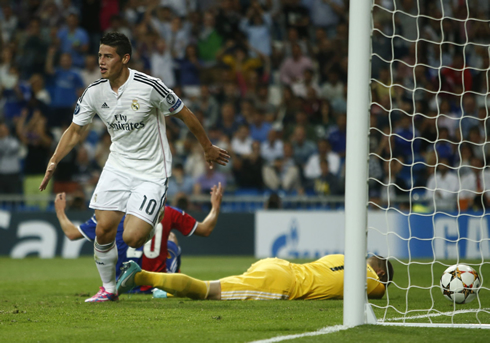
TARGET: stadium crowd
(266,78)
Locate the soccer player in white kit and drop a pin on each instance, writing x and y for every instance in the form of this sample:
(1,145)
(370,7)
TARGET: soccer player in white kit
(135,177)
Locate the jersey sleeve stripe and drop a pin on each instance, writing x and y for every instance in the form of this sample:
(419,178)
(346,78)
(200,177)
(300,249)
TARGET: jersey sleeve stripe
(148,83)
(153,83)
(193,229)
(83,234)
(98,82)
(160,85)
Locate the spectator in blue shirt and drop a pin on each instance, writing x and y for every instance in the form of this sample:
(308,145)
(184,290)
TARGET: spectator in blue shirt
(257,27)
(65,86)
(338,136)
(259,129)
(74,40)
(303,148)
(189,68)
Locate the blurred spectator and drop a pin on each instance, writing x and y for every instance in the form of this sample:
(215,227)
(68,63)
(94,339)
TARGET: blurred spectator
(292,39)
(307,80)
(259,129)
(228,124)
(247,169)
(338,136)
(179,7)
(283,173)
(33,50)
(403,139)
(194,165)
(303,148)
(206,181)
(49,14)
(312,168)
(469,117)
(162,63)
(180,182)
(177,38)
(327,183)
(292,68)
(288,107)
(296,15)
(473,184)
(10,182)
(161,21)
(74,40)
(91,72)
(189,68)
(333,88)
(257,26)
(87,173)
(8,24)
(263,104)
(33,133)
(272,148)
(393,184)
(208,104)
(442,187)
(227,19)
(326,14)
(479,145)
(241,144)
(66,85)
(15,92)
(117,25)
(301,119)
(209,41)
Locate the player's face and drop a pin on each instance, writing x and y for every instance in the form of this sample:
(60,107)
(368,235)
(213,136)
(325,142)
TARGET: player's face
(110,63)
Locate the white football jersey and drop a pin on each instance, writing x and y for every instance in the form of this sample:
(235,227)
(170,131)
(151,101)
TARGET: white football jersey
(135,120)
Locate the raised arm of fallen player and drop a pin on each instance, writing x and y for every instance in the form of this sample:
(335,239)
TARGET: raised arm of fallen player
(67,226)
(212,153)
(68,140)
(207,226)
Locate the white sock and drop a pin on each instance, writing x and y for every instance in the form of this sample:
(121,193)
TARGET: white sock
(106,258)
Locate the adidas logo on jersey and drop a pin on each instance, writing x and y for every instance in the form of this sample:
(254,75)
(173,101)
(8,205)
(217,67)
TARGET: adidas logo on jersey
(104,105)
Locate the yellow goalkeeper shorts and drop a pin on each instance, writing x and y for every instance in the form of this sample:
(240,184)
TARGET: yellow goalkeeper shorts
(266,279)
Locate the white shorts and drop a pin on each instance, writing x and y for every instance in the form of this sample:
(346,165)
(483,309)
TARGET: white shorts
(117,191)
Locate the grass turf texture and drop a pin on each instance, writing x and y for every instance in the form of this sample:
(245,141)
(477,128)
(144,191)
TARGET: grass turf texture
(43,301)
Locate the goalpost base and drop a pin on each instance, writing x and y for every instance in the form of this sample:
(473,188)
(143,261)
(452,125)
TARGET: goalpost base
(434,325)
(370,317)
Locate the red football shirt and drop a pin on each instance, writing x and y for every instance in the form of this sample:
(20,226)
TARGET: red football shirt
(155,258)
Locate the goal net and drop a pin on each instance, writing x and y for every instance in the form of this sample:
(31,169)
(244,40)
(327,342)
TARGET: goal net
(428,181)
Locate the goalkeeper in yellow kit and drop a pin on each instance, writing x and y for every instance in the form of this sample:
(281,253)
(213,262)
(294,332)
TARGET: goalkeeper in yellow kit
(267,279)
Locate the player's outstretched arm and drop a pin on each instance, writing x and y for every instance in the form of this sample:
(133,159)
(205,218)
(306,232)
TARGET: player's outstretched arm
(67,226)
(207,226)
(69,139)
(212,153)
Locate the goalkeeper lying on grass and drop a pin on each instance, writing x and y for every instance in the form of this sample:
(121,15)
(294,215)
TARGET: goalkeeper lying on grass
(271,278)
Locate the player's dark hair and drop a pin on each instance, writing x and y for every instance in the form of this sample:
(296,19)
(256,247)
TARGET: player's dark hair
(119,41)
(385,265)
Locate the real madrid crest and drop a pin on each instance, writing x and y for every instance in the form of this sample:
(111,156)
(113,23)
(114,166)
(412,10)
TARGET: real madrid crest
(135,106)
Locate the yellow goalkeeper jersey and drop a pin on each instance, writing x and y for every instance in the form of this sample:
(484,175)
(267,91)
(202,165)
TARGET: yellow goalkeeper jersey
(324,279)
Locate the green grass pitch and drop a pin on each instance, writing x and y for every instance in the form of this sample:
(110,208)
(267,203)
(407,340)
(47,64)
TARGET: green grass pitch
(43,301)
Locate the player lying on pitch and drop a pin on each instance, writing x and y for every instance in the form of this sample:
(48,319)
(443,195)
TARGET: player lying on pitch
(161,253)
(267,279)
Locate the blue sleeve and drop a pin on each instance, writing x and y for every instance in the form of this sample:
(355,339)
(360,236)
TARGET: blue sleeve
(88,229)
(79,81)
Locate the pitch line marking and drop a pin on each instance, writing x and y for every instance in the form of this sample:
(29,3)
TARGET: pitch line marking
(324,331)
(431,315)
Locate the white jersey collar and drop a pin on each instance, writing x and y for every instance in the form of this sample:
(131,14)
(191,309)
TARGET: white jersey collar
(125,85)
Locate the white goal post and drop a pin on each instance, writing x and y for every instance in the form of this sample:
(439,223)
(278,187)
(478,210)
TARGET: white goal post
(357,308)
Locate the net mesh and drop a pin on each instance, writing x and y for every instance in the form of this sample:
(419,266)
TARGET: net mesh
(429,187)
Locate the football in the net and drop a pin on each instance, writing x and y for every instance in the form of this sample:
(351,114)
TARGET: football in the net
(460,284)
